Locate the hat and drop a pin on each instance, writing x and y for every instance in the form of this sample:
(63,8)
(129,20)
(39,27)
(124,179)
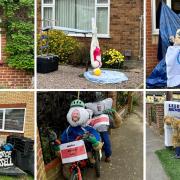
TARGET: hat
(77,103)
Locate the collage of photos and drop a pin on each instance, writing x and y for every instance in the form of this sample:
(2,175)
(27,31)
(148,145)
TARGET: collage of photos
(89,89)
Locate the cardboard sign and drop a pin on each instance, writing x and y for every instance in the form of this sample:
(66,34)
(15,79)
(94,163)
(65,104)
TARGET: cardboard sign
(73,151)
(172,108)
(5,159)
(99,120)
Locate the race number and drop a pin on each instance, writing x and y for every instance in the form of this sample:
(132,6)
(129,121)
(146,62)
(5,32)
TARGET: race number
(73,151)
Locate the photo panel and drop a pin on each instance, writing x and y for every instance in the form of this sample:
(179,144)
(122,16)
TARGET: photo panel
(97,132)
(104,49)
(17,135)
(162,134)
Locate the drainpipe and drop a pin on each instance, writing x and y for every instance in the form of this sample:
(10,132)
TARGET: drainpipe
(140,36)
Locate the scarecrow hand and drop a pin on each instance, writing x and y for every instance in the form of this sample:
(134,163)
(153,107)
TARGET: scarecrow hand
(92,139)
(109,111)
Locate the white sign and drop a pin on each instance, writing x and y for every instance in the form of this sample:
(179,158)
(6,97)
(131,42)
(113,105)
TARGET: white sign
(172,108)
(73,151)
(5,159)
(99,120)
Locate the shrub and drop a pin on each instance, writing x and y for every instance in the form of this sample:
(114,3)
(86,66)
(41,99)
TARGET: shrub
(112,58)
(62,45)
(18,24)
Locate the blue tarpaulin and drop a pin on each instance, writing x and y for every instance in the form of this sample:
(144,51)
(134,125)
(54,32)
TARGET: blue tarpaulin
(169,23)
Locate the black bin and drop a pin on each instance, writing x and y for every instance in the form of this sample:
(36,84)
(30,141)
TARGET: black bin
(23,153)
(47,64)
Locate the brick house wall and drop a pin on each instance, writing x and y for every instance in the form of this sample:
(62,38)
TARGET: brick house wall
(10,77)
(21,98)
(148,113)
(124,27)
(41,174)
(159,109)
(160,117)
(151,41)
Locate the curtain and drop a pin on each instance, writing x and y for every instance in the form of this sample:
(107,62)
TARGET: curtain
(85,12)
(47,15)
(48,1)
(102,20)
(74,13)
(102,1)
(65,13)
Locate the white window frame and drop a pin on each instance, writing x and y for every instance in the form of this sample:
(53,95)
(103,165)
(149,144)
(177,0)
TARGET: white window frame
(155,31)
(97,5)
(3,121)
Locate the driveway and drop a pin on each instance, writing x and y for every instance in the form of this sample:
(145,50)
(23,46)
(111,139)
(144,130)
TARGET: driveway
(154,169)
(67,77)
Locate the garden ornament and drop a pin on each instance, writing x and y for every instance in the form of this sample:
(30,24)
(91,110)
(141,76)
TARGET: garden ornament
(95,52)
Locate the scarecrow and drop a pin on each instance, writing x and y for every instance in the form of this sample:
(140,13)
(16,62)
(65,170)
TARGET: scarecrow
(103,120)
(175,124)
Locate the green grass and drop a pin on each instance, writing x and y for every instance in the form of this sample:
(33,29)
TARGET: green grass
(169,163)
(17,178)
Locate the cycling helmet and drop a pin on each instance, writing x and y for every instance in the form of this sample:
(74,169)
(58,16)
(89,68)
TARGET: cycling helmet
(77,103)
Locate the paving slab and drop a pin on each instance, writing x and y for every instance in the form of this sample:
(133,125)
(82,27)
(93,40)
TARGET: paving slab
(154,169)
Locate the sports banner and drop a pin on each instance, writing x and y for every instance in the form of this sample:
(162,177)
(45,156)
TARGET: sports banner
(172,108)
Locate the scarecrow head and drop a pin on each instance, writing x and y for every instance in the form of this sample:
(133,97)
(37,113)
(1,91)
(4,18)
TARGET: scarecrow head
(77,114)
(99,107)
(176,40)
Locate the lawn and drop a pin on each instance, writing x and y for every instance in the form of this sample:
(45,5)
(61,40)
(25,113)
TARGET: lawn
(169,163)
(17,178)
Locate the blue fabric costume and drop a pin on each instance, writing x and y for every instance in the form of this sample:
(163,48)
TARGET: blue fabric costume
(71,133)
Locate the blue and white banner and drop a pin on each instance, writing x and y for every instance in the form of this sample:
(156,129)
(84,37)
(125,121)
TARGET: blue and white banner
(173,66)
(172,108)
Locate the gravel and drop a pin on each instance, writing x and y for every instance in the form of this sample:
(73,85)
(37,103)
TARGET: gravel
(67,77)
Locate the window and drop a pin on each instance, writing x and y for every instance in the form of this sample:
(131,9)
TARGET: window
(174,4)
(12,119)
(77,14)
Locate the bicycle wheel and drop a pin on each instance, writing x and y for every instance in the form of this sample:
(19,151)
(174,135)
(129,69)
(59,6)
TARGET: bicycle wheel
(97,163)
(74,175)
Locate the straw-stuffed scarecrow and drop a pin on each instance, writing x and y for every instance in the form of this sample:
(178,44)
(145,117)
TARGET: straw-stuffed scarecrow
(175,124)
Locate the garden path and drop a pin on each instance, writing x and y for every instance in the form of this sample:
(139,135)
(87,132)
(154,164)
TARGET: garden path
(67,77)
(127,146)
(154,169)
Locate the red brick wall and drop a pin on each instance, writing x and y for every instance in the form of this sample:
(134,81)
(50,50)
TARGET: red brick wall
(41,174)
(124,26)
(151,47)
(160,117)
(10,77)
(159,108)
(148,113)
